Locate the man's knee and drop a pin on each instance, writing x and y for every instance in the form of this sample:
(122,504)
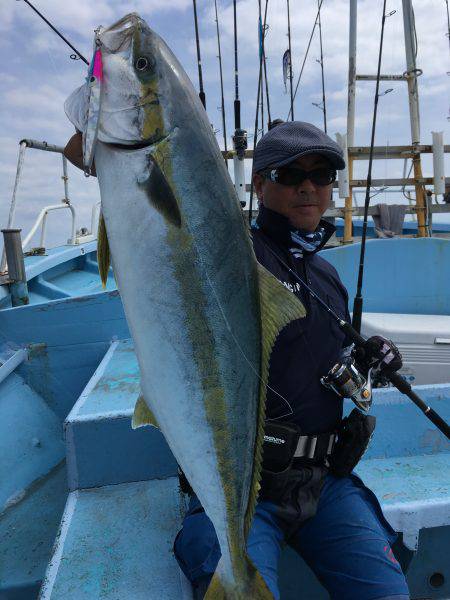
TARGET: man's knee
(196,547)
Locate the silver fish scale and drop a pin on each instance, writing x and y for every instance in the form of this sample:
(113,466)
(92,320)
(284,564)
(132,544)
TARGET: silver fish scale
(191,300)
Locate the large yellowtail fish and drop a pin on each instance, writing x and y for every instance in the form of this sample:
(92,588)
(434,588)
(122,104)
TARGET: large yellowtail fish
(202,314)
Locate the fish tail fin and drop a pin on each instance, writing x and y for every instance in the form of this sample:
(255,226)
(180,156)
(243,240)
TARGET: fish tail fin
(250,585)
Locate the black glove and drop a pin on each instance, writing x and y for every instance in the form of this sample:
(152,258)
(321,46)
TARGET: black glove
(354,435)
(379,354)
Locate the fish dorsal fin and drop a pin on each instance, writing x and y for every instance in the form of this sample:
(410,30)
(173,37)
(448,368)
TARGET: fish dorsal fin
(279,307)
(103,252)
(143,415)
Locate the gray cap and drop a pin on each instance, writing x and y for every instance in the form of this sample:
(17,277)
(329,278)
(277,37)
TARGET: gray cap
(288,141)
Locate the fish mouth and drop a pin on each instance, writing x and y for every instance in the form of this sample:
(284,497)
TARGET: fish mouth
(152,141)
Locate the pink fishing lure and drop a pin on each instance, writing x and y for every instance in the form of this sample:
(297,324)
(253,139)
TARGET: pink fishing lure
(97,70)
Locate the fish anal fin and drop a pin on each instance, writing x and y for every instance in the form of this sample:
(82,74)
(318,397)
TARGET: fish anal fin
(103,252)
(279,307)
(143,415)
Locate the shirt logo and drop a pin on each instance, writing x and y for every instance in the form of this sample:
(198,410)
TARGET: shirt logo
(274,440)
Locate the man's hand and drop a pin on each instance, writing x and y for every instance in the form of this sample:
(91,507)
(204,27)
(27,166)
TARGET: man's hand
(379,354)
(74,152)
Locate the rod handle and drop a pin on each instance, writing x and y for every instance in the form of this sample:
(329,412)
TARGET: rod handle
(403,386)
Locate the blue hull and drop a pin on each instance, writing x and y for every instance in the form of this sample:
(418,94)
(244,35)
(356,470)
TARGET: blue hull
(92,507)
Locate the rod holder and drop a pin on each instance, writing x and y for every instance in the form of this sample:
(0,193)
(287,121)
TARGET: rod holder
(16,267)
(240,146)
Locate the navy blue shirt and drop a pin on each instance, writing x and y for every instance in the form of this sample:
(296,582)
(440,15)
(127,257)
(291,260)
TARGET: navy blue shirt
(307,348)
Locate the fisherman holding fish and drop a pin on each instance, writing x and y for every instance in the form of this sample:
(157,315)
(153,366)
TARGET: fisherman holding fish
(334,523)
(233,353)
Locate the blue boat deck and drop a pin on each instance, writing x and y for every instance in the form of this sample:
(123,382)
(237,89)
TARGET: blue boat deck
(66,441)
(116,542)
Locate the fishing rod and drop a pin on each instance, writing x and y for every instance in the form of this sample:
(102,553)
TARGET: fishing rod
(201,93)
(306,54)
(221,80)
(324,105)
(261,55)
(358,301)
(72,56)
(266,27)
(240,135)
(448,23)
(291,112)
(237,102)
(397,380)
(255,135)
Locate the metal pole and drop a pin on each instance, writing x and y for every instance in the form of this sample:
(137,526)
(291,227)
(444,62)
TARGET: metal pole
(413,98)
(16,267)
(65,178)
(12,208)
(348,239)
(290,62)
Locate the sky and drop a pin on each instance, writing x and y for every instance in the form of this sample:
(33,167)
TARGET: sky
(37,74)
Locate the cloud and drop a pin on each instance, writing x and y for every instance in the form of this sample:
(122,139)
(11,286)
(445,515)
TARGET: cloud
(38,75)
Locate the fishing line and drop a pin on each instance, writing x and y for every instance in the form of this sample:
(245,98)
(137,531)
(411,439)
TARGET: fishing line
(221,80)
(448,23)
(324,105)
(306,56)
(247,360)
(261,52)
(395,378)
(228,326)
(358,300)
(291,112)
(255,135)
(265,29)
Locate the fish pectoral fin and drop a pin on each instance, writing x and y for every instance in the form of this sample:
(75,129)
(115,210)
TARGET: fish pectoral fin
(103,252)
(161,193)
(143,415)
(250,586)
(279,307)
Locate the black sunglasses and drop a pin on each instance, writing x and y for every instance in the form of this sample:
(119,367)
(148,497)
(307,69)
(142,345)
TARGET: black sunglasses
(292,176)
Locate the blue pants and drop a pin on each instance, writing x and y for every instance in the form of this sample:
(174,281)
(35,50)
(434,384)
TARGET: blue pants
(347,544)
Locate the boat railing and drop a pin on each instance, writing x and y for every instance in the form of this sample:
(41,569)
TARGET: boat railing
(42,220)
(94,216)
(12,362)
(65,203)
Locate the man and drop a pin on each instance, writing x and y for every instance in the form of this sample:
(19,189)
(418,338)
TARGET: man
(334,523)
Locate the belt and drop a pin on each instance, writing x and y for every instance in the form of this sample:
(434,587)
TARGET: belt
(284,442)
(315,447)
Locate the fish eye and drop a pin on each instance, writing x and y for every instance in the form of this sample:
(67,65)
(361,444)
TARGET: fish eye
(142,63)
